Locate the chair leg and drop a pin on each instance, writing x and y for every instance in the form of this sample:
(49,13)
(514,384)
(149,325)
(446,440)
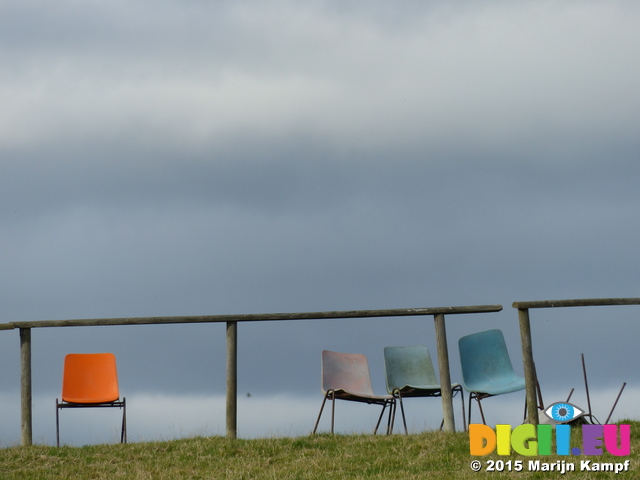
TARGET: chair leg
(320,414)
(384,406)
(481,411)
(330,395)
(123,434)
(333,409)
(540,401)
(392,416)
(464,425)
(478,399)
(57,424)
(404,419)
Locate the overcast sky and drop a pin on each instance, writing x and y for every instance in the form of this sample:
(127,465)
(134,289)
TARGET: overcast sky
(184,158)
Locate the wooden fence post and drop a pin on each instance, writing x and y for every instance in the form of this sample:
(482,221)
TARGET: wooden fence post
(232,348)
(529,366)
(232,379)
(25,386)
(445,375)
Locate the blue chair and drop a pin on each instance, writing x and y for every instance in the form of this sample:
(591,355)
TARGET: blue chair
(486,367)
(410,373)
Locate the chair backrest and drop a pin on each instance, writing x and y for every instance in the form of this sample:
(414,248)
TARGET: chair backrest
(408,366)
(346,371)
(90,378)
(484,357)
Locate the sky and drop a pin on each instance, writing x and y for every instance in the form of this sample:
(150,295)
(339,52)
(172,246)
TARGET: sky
(211,157)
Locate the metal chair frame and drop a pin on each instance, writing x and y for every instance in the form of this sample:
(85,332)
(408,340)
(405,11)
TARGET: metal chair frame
(119,404)
(334,395)
(589,413)
(416,392)
(478,396)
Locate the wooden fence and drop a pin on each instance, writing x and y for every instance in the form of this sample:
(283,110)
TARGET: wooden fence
(232,348)
(525,336)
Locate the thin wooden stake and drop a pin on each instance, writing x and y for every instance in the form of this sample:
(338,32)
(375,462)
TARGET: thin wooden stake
(232,379)
(529,367)
(25,386)
(445,375)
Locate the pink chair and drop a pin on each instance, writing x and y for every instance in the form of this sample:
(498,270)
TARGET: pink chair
(345,376)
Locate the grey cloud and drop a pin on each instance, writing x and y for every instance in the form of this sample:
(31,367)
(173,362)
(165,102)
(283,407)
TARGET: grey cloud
(472,75)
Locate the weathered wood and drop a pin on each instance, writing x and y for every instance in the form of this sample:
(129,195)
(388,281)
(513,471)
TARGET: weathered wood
(25,386)
(445,375)
(399,312)
(525,337)
(232,379)
(529,366)
(585,302)
(232,354)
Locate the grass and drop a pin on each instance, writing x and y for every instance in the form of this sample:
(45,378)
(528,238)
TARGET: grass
(427,455)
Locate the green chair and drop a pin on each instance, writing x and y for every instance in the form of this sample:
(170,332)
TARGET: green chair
(410,373)
(486,367)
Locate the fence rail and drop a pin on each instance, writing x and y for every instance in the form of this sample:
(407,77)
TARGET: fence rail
(525,336)
(232,348)
(250,317)
(585,302)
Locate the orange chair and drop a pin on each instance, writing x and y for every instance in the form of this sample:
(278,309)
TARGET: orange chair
(90,380)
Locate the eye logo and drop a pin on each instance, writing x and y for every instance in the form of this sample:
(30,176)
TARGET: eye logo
(563,412)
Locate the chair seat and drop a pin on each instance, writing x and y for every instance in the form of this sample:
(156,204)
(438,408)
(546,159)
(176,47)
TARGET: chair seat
(422,390)
(79,401)
(499,386)
(426,387)
(345,395)
(68,404)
